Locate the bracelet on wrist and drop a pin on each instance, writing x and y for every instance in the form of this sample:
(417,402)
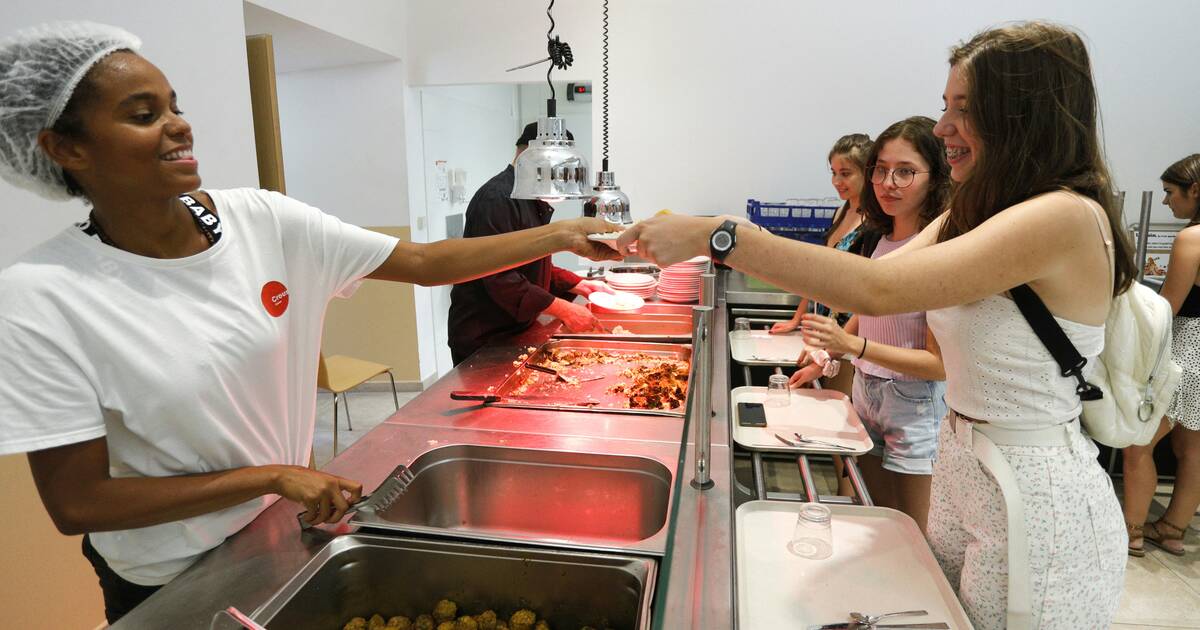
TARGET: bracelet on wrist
(864,348)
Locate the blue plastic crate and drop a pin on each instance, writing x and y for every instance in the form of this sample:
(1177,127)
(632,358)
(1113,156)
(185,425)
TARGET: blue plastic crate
(802,221)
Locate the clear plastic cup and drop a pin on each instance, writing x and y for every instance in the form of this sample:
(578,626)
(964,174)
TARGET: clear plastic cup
(741,328)
(778,392)
(813,536)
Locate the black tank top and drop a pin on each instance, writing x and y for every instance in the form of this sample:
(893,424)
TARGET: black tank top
(1191,304)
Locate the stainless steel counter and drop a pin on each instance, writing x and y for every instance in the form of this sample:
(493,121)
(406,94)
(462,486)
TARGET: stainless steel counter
(695,589)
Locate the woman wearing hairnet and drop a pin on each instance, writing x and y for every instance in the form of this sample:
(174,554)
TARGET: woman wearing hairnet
(158,361)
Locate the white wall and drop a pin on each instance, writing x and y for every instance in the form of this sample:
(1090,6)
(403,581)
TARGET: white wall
(715,101)
(375,23)
(344,141)
(472,127)
(213,90)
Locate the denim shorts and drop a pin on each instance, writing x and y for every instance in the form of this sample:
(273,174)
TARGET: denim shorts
(902,418)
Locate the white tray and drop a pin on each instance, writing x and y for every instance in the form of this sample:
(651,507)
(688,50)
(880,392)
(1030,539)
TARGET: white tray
(881,563)
(820,414)
(763,348)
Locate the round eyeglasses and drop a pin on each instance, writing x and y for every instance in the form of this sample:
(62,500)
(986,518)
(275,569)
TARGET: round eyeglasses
(901,177)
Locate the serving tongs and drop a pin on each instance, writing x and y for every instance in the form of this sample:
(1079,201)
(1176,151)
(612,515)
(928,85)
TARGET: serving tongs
(570,380)
(395,485)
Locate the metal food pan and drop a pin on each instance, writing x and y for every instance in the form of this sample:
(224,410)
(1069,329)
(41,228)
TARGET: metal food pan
(544,497)
(528,389)
(358,575)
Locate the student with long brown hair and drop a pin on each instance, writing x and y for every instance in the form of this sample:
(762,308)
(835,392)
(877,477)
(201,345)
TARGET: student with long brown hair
(1016,482)
(1181,185)
(898,378)
(847,168)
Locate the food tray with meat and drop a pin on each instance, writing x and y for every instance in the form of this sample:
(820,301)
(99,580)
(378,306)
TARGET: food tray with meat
(595,375)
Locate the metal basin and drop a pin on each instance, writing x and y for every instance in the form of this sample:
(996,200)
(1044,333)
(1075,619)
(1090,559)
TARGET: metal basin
(558,498)
(358,576)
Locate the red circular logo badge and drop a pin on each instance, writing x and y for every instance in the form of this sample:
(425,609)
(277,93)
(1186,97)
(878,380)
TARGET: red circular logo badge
(275,298)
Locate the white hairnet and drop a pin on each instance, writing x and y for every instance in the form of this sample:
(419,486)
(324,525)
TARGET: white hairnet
(39,70)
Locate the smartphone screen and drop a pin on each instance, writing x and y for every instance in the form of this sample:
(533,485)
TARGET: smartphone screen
(751,415)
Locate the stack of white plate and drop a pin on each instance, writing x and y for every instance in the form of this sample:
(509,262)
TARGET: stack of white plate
(639,284)
(680,283)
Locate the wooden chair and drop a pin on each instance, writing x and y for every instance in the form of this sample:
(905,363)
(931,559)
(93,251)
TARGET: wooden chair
(339,374)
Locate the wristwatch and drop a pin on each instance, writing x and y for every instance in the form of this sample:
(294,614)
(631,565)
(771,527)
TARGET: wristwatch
(722,241)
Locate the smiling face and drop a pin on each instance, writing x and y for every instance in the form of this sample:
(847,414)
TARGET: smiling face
(896,156)
(132,135)
(1184,202)
(847,177)
(962,146)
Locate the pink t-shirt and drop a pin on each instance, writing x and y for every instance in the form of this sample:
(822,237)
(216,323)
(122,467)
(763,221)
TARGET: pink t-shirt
(903,330)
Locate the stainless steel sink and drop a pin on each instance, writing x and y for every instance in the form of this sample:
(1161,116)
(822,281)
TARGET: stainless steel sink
(557,498)
(358,575)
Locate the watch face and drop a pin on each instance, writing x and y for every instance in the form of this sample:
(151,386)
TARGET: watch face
(722,240)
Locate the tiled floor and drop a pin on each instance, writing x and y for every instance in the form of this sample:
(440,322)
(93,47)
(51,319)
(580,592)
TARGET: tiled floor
(1161,590)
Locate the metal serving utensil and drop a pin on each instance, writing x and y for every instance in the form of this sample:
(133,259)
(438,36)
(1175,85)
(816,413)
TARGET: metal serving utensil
(855,625)
(570,380)
(820,442)
(874,619)
(395,485)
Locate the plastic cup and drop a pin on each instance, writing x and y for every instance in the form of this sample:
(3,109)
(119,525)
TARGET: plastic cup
(812,537)
(778,392)
(741,328)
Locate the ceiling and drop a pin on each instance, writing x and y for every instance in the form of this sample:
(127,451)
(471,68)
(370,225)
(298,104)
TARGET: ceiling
(299,46)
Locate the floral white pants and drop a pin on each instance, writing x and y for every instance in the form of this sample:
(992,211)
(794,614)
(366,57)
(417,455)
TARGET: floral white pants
(1076,533)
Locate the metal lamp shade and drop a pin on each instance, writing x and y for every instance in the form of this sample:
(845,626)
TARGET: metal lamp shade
(607,201)
(551,169)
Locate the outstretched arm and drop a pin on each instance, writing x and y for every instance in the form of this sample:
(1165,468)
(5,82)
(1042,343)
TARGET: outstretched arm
(1030,241)
(461,259)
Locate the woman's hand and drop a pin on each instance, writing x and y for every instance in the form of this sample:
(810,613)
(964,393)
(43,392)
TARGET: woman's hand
(779,328)
(588,287)
(804,376)
(823,332)
(666,239)
(325,497)
(577,230)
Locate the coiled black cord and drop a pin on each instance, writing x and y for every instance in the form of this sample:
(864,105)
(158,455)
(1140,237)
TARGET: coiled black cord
(559,51)
(604,83)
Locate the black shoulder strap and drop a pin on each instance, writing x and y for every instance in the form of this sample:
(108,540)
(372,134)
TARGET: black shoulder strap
(208,222)
(1055,340)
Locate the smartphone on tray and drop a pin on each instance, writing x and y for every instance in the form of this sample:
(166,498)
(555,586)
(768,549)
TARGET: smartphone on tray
(751,415)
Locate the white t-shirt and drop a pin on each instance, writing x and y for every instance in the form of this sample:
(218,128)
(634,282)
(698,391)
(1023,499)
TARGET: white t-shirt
(186,365)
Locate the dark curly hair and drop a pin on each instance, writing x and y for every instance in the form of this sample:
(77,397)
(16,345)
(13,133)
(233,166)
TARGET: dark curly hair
(917,131)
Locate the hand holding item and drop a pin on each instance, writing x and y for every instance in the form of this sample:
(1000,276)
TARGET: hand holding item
(577,231)
(666,239)
(588,287)
(575,317)
(325,497)
(824,333)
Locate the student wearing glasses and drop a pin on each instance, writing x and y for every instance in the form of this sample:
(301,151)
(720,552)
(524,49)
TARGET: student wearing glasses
(899,378)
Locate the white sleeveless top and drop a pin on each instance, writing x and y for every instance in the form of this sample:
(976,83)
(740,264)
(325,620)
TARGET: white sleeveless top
(998,370)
